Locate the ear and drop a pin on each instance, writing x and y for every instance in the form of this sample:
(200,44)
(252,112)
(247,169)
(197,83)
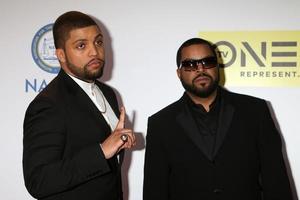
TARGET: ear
(178,73)
(60,54)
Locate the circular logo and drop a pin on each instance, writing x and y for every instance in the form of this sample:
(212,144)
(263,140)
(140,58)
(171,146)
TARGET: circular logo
(43,50)
(226,53)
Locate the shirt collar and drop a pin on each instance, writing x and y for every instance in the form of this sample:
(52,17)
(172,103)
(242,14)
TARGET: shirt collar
(212,106)
(86,86)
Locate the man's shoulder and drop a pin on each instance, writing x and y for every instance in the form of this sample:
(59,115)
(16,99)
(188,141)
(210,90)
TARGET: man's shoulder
(49,95)
(56,91)
(168,111)
(242,99)
(52,91)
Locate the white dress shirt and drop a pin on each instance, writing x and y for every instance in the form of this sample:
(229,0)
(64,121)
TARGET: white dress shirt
(97,97)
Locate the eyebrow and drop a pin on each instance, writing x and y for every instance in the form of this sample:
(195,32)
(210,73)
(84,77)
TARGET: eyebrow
(99,35)
(82,40)
(209,56)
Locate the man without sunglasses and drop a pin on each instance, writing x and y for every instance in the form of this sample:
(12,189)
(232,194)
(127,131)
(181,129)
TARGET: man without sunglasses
(212,143)
(74,135)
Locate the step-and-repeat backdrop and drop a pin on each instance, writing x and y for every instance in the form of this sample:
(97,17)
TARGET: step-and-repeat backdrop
(259,43)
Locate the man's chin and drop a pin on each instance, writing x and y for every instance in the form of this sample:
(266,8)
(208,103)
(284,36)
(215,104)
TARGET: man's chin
(204,91)
(95,74)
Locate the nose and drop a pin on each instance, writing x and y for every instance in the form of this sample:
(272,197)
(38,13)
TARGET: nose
(200,67)
(93,50)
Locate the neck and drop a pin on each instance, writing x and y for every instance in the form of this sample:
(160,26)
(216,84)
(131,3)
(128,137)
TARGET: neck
(68,70)
(204,101)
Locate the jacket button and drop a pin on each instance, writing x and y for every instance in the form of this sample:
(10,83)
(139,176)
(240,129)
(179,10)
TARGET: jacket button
(218,191)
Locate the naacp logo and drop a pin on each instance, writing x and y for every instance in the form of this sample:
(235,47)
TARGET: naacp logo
(43,50)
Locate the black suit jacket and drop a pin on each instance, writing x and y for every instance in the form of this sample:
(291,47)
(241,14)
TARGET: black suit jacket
(62,158)
(247,164)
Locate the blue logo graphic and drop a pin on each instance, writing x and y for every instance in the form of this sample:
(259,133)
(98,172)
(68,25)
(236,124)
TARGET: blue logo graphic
(43,50)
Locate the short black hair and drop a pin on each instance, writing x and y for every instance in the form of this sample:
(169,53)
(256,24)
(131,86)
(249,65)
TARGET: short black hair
(194,41)
(67,22)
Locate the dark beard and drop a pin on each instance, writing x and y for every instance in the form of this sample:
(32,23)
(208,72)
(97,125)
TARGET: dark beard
(85,74)
(93,76)
(203,92)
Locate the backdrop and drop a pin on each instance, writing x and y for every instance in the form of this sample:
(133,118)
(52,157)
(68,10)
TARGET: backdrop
(257,41)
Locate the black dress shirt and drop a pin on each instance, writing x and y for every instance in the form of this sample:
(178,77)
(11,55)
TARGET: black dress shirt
(207,122)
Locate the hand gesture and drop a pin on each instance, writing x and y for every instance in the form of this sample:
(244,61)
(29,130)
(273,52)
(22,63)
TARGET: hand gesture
(119,139)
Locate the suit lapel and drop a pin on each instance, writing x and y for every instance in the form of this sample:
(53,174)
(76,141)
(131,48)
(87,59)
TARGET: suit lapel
(188,124)
(82,100)
(224,121)
(110,97)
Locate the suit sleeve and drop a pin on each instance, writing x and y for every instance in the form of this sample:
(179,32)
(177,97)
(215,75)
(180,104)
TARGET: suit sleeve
(275,182)
(156,168)
(46,171)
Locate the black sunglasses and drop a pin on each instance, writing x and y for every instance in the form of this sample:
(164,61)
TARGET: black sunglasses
(192,65)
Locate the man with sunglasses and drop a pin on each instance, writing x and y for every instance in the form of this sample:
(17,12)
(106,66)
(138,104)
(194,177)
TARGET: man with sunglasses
(212,143)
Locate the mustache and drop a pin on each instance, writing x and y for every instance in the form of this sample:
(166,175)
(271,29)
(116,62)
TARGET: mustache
(203,74)
(95,60)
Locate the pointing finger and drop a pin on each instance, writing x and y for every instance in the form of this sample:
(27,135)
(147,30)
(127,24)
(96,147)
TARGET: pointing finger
(121,122)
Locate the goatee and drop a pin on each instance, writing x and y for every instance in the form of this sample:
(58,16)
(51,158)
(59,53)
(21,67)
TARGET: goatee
(201,92)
